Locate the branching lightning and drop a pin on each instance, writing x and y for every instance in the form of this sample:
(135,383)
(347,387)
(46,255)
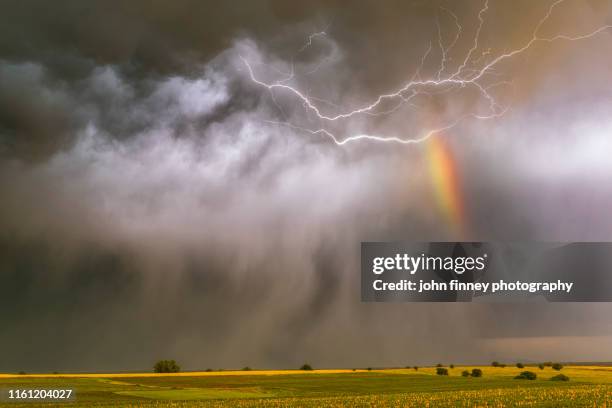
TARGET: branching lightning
(464,76)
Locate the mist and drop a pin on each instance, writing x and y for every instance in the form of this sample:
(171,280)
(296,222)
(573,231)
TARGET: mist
(158,203)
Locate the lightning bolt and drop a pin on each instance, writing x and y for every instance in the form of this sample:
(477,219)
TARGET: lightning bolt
(462,77)
(310,38)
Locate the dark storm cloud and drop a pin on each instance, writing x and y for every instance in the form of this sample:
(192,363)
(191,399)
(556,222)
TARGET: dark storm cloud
(67,41)
(59,45)
(149,209)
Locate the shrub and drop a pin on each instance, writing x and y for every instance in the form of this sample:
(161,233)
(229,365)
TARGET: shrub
(547,364)
(306,367)
(557,366)
(441,371)
(166,366)
(541,366)
(416,368)
(560,377)
(369,368)
(439,365)
(526,375)
(451,366)
(247,368)
(208,370)
(501,365)
(495,364)
(520,365)
(465,373)
(476,372)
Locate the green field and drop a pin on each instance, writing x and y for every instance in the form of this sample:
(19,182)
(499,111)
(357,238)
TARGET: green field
(588,386)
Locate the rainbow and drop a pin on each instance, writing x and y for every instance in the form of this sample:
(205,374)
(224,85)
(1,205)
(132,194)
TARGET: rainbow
(446,182)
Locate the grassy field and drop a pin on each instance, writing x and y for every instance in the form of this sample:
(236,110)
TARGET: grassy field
(588,386)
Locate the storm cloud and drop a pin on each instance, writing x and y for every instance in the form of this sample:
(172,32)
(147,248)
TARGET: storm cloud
(156,204)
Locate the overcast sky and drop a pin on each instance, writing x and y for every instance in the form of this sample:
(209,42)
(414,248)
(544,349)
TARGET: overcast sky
(156,202)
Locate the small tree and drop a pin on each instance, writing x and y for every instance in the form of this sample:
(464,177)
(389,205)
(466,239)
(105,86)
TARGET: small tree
(476,372)
(247,368)
(416,368)
(306,367)
(557,366)
(166,366)
(520,365)
(451,366)
(526,375)
(465,373)
(560,377)
(441,371)
(541,366)
(495,364)
(547,364)
(439,365)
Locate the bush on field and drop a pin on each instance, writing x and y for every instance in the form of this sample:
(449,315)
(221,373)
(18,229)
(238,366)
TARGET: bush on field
(416,368)
(247,368)
(548,364)
(541,366)
(526,375)
(557,366)
(306,367)
(495,364)
(520,365)
(465,373)
(451,366)
(476,372)
(166,366)
(560,377)
(439,365)
(441,371)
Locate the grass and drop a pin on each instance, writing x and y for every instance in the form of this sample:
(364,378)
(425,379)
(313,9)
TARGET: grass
(588,386)
(196,394)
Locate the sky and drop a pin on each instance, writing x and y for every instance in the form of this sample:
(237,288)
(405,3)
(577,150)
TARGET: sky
(192,180)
